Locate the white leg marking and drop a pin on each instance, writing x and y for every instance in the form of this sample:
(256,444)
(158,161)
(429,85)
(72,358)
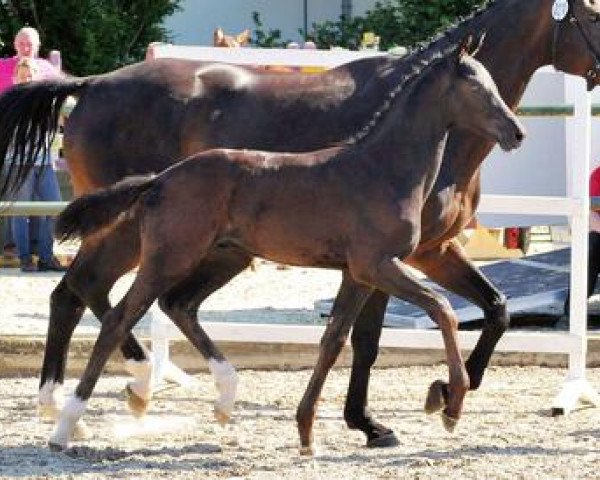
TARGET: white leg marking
(67,419)
(226,381)
(50,401)
(141,371)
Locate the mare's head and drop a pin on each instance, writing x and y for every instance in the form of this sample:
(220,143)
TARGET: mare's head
(576,38)
(476,104)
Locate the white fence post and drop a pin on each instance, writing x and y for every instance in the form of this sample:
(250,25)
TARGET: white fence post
(578,144)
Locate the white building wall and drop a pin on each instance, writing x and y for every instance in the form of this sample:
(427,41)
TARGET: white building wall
(195,23)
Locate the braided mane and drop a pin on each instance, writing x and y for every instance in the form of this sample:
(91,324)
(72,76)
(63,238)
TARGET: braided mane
(418,60)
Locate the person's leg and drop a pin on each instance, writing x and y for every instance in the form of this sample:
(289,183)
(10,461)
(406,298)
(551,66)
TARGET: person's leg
(593,267)
(593,261)
(46,189)
(20,225)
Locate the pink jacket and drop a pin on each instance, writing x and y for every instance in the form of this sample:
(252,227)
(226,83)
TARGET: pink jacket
(7,70)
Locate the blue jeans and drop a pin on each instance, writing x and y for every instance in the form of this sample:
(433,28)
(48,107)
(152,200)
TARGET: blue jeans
(40,185)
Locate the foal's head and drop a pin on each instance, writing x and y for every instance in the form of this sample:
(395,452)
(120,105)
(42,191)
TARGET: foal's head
(475,102)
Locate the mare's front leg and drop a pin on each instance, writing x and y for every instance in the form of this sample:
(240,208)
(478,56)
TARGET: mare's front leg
(365,347)
(347,305)
(394,277)
(181,304)
(449,267)
(88,281)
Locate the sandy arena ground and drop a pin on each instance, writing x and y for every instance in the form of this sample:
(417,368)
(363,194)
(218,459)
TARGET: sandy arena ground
(506,432)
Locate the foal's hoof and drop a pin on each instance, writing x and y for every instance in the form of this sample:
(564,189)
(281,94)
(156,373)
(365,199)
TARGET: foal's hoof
(48,413)
(56,447)
(436,399)
(136,404)
(449,422)
(221,416)
(308,451)
(388,439)
(81,431)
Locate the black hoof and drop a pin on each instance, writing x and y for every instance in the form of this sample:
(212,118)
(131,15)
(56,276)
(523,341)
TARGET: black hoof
(386,440)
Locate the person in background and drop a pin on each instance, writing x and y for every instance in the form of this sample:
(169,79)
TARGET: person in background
(41,184)
(27,45)
(593,241)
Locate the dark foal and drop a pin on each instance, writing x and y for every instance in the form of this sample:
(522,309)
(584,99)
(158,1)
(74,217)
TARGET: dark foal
(189,106)
(366,219)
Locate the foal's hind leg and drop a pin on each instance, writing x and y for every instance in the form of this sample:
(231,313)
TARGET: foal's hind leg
(116,324)
(365,346)
(348,303)
(99,263)
(181,304)
(452,270)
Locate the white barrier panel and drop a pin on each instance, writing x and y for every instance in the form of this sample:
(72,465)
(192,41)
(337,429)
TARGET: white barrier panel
(575,206)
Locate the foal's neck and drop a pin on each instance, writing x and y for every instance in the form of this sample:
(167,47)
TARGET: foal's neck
(411,136)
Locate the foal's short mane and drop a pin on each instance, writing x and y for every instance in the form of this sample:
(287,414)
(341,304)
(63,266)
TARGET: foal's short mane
(416,66)
(420,58)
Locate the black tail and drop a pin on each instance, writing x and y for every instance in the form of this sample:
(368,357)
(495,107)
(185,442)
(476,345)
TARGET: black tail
(88,214)
(28,122)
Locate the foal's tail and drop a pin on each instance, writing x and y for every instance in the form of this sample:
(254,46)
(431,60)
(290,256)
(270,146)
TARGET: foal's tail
(28,122)
(90,213)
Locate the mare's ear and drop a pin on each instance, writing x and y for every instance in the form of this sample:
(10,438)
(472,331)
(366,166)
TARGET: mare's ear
(218,36)
(471,44)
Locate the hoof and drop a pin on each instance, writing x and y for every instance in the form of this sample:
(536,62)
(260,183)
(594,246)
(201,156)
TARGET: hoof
(449,422)
(435,400)
(56,447)
(81,431)
(308,451)
(48,413)
(136,404)
(221,416)
(386,440)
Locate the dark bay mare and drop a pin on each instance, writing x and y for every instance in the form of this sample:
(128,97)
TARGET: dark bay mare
(144,117)
(365,219)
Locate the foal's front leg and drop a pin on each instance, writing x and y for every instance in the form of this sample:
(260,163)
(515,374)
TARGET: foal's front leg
(392,276)
(348,303)
(450,268)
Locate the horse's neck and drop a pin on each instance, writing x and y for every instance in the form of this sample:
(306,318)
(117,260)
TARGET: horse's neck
(519,38)
(518,41)
(410,137)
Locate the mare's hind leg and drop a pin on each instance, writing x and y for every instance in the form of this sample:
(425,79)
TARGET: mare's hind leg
(393,276)
(99,263)
(348,303)
(365,346)
(452,270)
(181,304)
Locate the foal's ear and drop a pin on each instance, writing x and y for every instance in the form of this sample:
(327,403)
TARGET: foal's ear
(470,45)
